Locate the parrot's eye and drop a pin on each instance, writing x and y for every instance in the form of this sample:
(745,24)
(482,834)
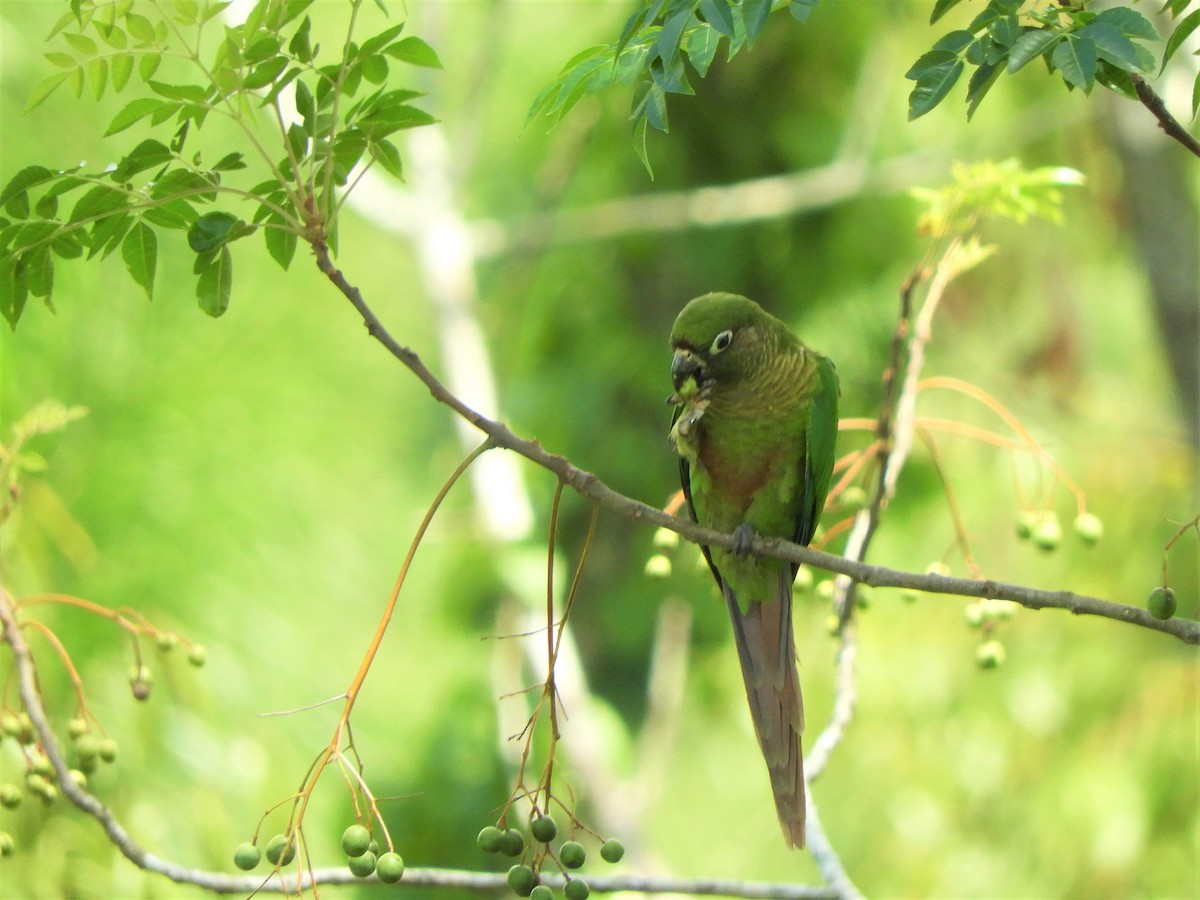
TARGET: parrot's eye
(723,340)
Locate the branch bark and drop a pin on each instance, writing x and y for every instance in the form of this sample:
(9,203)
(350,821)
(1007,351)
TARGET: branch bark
(1167,122)
(591,487)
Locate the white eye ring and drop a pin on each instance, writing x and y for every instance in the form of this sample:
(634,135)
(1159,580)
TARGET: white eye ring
(723,340)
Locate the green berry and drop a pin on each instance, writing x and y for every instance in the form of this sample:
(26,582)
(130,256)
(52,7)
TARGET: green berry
(10,796)
(1161,603)
(108,749)
(373,847)
(49,794)
(658,566)
(863,595)
(543,829)
(246,856)
(1089,528)
(89,765)
(1024,524)
(490,839)
(363,865)
(141,680)
(541,892)
(198,655)
(25,733)
(78,778)
(612,850)
(989,654)
(522,880)
(390,867)
(280,850)
(1047,534)
(572,855)
(41,765)
(167,641)
(87,746)
(825,589)
(665,539)
(973,613)
(37,784)
(576,890)
(854,498)
(10,724)
(76,728)
(512,843)
(7,845)
(356,840)
(833,625)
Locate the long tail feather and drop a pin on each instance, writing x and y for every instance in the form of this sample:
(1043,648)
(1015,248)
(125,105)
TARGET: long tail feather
(767,650)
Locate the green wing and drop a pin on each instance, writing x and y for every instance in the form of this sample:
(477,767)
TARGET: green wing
(819,449)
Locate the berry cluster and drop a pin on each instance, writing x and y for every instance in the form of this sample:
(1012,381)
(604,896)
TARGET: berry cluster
(524,878)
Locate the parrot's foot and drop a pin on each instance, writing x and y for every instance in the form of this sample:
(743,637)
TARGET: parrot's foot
(743,537)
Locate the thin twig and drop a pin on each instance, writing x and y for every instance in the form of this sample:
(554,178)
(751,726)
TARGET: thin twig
(1167,122)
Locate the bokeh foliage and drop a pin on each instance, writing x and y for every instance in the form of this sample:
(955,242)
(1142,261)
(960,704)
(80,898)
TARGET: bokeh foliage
(254,481)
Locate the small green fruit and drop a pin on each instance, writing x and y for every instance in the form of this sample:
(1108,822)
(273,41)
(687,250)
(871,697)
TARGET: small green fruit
(356,840)
(7,845)
(167,641)
(989,654)
(1047,534)
(10,796)
(658,566)
(833,625)
(543,829)
(1024,524)
(512,843)
(1161,603)
(76,728)
(576,890)
(522,880)
(572,855)
(10,724)
(373,847)
(280,850)
(198,655)
(490,839)
(49,794)
(37,784)
(41,765)
(974,614)
(87,746)
(246,856)
(863,595)
(78,778)
(25,734)
(1089,528)
(108,749)
(141,680)
(541,892)
(390,867)
(363,865)
(612,850)
(665,539)
(825,589)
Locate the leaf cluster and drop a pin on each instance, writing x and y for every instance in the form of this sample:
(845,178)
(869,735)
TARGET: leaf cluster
(1083,45)
(266,74)
(662,42)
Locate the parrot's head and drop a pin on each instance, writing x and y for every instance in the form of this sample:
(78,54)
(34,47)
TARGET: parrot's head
(715,338)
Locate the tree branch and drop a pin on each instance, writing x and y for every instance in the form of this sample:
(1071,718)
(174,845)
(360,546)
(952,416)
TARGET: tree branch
(1167,122)
(590,486)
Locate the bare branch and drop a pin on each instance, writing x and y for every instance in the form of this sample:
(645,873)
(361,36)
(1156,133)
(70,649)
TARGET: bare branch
(1167,122)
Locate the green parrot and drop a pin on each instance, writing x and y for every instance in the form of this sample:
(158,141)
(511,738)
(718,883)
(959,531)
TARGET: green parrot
(755,425)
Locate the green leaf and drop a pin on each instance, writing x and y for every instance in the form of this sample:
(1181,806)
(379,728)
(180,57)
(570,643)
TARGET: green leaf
(375,69)
(14,290)
(802,9)
(754,14)
(304,102)
(215,284)
(121,69)
(297,139)
(177,214)
(40,272)
(45,88)
(30,176)
(981,82)
(182,181)
(210,231)
(140,27)
(132,113)
(941,8)
(1128,22)
(112,35)
(386,154)
(101,200)
(414,51)
(229,162)
(348,149)
(716,13)
(1181,33)
(190,93)
(1030,46)
(1076,59)
(62,60)
(281,244)
(81,44)
(650,103)
(139,250)
(933,84)
(146,155)
(148,65)
(300,45)
(380,123)
(107,232)
(262,47)
(702,46)
(639,146)
(97,73)
(372,45)
(1112,45)
(1196,96)
(265,73)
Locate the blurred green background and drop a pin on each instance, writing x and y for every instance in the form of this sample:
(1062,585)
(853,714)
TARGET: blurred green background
(254,481)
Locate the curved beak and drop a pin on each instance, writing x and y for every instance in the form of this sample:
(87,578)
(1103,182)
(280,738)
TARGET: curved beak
(686,366)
